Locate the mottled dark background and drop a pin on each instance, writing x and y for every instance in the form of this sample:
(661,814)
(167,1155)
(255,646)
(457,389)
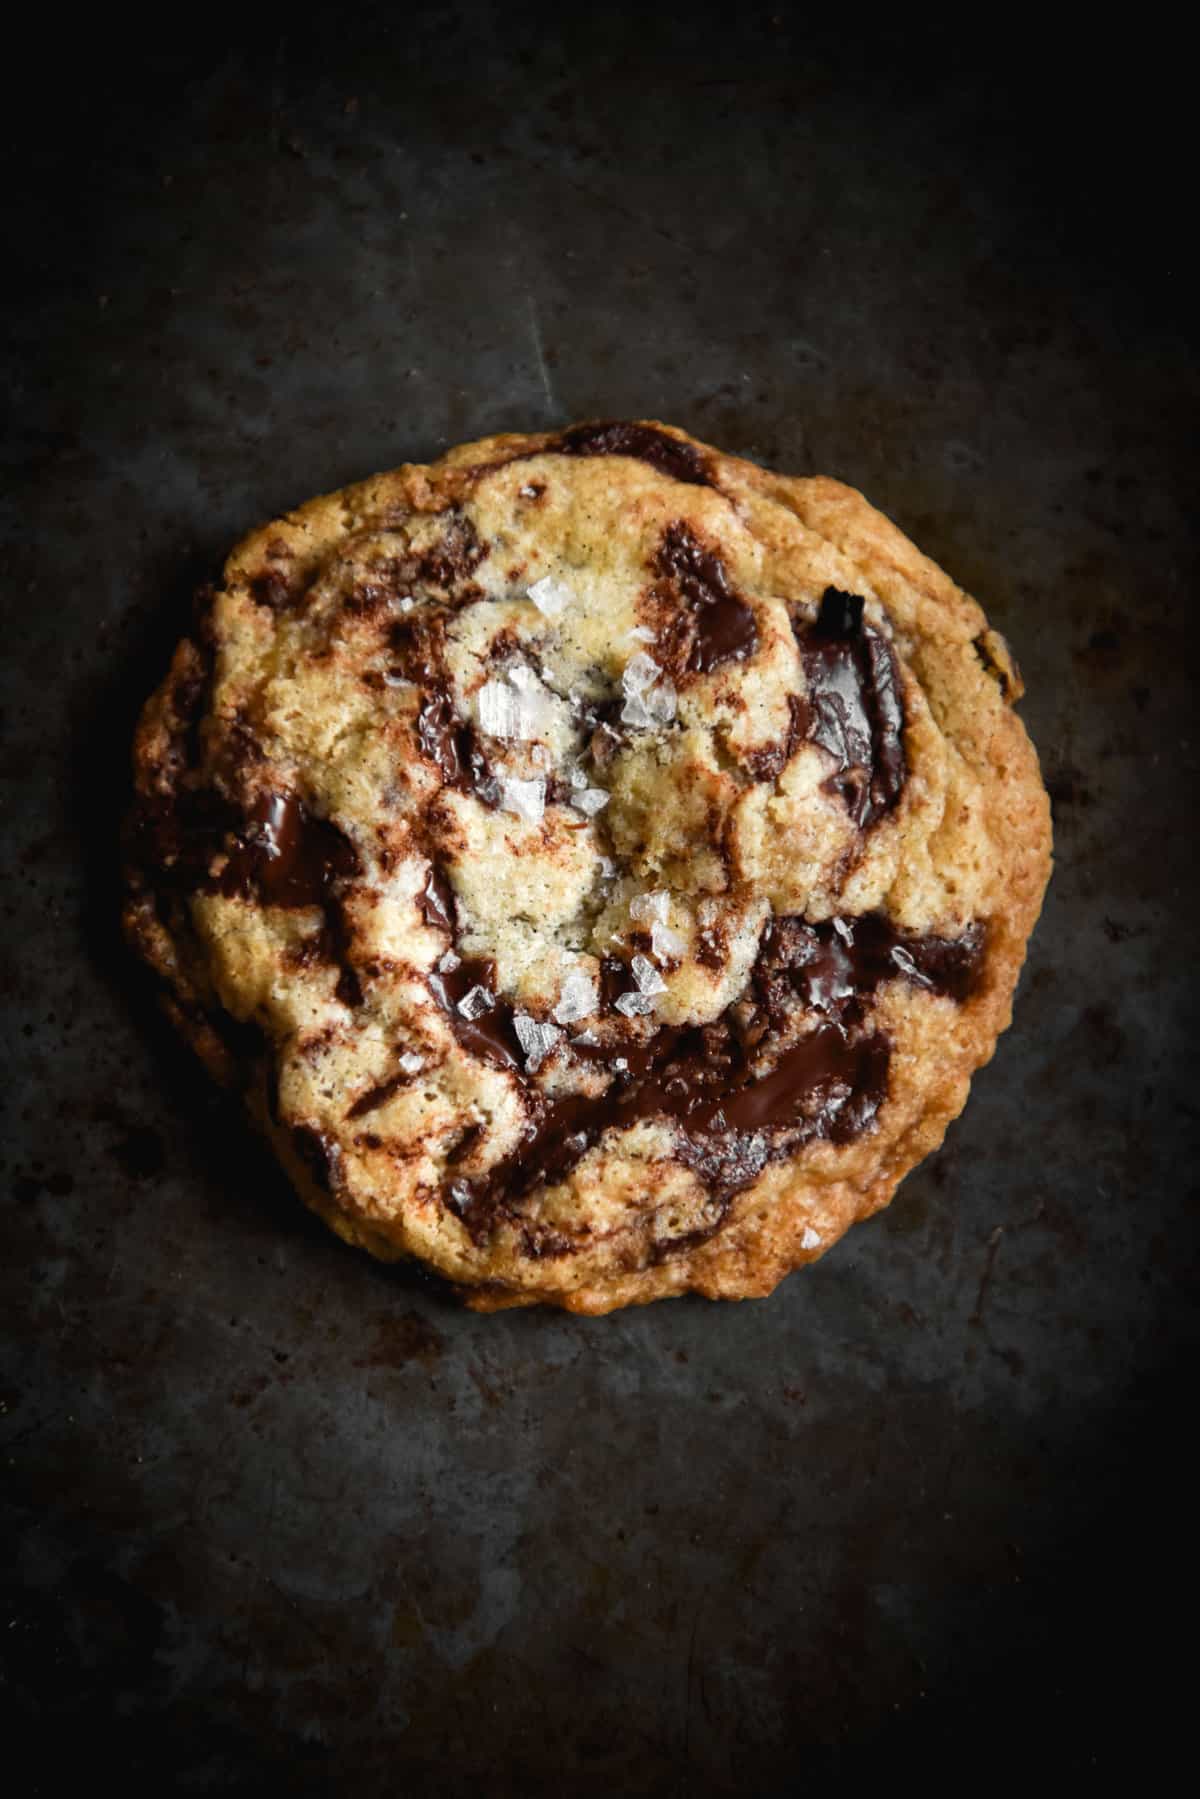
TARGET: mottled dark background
(277,1519)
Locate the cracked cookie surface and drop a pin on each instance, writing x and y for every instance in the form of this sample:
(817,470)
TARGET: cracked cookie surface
(601,863)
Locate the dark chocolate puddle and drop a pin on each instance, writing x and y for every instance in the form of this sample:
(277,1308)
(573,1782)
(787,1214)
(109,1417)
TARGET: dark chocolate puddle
(856,711)
(720,626)
(616,437)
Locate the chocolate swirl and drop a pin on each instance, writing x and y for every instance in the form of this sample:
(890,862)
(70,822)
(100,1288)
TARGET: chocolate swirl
(747,1088)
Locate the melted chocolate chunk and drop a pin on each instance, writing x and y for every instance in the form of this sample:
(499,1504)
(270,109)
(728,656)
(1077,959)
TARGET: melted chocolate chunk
(442,737)
(436,901)
(320,1155)
(615,979)
(855,708)
(737,1100)
(418,645)
(272,588)
(682,461)
(454,560)
(491,1035)
(279,852)
(286,855)
(835,965)
(722,625)
(452,743)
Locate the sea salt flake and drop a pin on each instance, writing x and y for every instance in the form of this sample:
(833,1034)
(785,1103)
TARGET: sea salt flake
(661,702)
(647,976)
(537,1040)
(523,678)
(643,634)
(550,596)
(646,907)
(577,778)
(475,1003)
(410,1062)
(591,801)
(634,712)
(533,715)
(633,1005)
(450,962)
(811,1239)
(607,867)
(526,798)
(619,1062)
(498,709)
(665,943)
(578,998)
(641,672)
(585,1039)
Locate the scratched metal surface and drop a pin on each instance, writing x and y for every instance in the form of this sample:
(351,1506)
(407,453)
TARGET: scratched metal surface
(275,1516)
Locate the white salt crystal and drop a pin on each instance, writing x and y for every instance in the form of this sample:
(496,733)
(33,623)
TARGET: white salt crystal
(666,943)
(526,798)
(497,709)
(577,778)
(586,1039)
(620,1064)
(643,634)
(578,998)
(525,710)
(532,714)
(607,867)
(550,596)
(633,1005)
(647,976)
(410,1062)
(591,801)
(537,1040)
(475,1003)
(645,907)
(634,712)
(661,702)
(450,962)
(641,672)
(811,1239)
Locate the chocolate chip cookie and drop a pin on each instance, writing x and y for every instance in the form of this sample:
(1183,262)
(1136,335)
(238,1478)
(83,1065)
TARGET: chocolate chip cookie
(600,863)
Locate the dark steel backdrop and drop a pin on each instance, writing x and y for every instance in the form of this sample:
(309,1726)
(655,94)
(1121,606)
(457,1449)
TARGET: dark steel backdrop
(278,1519)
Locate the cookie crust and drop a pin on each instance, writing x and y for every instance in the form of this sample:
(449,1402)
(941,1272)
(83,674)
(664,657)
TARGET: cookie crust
(360,802)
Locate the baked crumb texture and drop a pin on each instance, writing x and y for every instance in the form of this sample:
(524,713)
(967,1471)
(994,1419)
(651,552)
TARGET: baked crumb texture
(600,863)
